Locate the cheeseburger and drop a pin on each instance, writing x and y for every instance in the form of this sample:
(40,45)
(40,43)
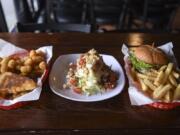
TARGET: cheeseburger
(146,57)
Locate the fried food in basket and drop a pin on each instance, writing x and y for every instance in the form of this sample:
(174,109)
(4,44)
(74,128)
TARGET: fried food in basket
(34,64)
(158,78)
(19,73)
(12,84)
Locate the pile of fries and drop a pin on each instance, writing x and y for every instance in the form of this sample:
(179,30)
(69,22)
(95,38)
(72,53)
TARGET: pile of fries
(162,84)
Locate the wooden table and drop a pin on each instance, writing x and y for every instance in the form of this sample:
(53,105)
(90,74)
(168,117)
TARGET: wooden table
(52,114)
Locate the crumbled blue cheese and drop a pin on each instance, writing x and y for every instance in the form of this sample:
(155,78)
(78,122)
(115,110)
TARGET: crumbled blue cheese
(89,66)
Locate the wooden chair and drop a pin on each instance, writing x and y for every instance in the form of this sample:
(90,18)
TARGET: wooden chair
(108,12)
(66,11)
(53,27)
(149,14)
(26,11)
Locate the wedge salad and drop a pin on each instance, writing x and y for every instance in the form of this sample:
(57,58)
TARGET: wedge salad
(90,75)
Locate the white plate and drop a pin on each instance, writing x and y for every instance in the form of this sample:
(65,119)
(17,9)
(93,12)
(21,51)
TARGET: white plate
(59,71)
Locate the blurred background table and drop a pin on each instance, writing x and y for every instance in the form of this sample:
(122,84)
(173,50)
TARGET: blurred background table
(52,114)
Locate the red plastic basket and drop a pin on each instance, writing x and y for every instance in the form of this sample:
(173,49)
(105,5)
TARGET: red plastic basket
(164,106)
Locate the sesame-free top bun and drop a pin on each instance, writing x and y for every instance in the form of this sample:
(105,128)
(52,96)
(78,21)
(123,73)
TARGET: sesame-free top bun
(150,54)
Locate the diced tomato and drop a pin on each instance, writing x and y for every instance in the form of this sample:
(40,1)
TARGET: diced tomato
(73,82)
(82,62)
(77,90)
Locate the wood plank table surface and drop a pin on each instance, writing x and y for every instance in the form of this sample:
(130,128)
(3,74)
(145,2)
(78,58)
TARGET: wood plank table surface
(52,114)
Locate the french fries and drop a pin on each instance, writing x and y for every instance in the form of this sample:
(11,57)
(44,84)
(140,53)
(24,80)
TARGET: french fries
(172,80)
(163,84)
(161,91)
(150,84)
(177,92)
(163,68)
(175,74)
(159,78)
(168,96)
(167,72)
(143,76)
(143,85)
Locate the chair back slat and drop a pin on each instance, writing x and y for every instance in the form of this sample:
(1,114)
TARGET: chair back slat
(54,27)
